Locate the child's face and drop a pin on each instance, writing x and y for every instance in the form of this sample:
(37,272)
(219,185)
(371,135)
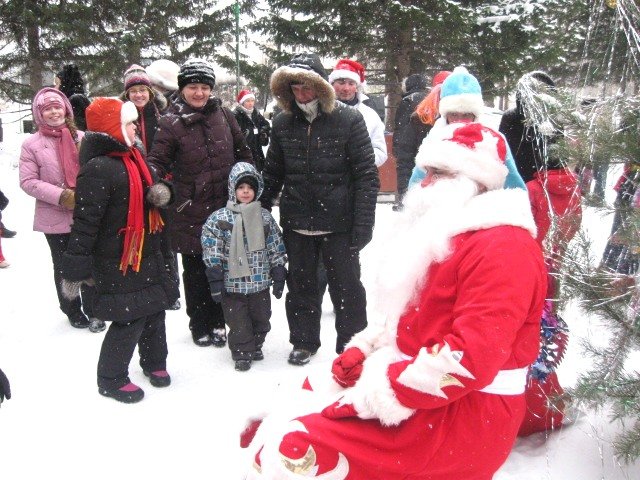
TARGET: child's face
(244,193)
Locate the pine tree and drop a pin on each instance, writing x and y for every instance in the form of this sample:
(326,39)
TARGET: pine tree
(104,37)
(608,287)
(396,38)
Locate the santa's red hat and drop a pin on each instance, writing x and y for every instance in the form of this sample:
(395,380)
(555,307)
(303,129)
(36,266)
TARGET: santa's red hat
(110,116)
(245,95)
(346,68)
(470,149)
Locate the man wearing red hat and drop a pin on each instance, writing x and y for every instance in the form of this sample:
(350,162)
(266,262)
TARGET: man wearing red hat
(348,82)
(255,127)
(437,392)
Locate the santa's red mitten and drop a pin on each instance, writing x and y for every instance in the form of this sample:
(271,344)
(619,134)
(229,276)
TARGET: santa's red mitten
(347,368)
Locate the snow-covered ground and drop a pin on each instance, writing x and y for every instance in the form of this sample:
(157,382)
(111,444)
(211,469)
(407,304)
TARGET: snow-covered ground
(57,426)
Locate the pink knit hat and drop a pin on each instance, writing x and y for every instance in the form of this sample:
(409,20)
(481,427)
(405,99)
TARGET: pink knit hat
(44,99)
(136,75)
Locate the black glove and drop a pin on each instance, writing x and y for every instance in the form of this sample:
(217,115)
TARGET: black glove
(215,275)
(5,389)
(360,236)
(278,275)
(264,136)
(4,201)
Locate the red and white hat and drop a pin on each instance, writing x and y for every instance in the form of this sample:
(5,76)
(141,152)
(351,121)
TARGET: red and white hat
(346,68)
(245,95)
(111,116)
(469,149)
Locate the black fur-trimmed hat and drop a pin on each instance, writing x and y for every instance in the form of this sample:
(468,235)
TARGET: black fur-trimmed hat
(196,70)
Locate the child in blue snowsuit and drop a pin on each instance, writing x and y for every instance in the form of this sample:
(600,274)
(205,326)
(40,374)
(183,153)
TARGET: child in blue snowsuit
(243,250)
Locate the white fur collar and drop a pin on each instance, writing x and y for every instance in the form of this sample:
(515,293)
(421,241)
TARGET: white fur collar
(402,275)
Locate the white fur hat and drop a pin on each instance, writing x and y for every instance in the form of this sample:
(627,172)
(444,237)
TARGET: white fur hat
(470,149)
(164,73)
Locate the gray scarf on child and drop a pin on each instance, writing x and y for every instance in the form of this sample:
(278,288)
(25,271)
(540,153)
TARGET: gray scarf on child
(247,222)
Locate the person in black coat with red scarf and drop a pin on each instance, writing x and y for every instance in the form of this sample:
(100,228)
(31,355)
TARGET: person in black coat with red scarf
(115,244)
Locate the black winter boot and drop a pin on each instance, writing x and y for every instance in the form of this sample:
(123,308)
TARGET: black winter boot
(130,393)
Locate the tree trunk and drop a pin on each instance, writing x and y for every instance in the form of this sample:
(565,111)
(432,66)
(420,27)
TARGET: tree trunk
(397,68)
(36,65)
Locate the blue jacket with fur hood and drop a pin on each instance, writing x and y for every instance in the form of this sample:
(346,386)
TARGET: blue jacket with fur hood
(216,240)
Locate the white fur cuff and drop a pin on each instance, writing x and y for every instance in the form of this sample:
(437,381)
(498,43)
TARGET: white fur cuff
(368,340)
(430,371)
(372,396)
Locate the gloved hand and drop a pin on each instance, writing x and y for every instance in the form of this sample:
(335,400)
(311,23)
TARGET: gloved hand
(5,388)
(4,201)
(360,236)
(278,275)
(215,275)
(347,367)
(264,136)
(68,199)
(159,195)
(71,290)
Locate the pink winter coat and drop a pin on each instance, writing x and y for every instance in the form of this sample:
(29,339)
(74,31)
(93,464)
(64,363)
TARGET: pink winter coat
(41,176)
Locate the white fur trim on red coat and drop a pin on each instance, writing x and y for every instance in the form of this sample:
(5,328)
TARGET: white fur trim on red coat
(372,396)
(480,164)
(369,339)
(430,371)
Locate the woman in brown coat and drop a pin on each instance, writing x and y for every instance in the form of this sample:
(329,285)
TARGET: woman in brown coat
(197,143)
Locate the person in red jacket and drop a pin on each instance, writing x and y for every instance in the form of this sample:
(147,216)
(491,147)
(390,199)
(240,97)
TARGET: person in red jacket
(437,392)
(555,195)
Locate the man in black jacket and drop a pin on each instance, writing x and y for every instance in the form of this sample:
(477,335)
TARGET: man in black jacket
(321,157)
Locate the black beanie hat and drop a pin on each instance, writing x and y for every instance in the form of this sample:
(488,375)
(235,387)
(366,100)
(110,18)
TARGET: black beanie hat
(308,61)
(249,180)
(196,70)
(70,80)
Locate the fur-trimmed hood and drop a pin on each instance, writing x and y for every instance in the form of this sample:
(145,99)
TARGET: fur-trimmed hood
(307,69)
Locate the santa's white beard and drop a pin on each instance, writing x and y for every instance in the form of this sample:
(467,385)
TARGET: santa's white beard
(420,236)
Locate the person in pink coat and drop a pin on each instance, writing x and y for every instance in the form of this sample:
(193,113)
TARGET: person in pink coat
(437,392)
(48,170)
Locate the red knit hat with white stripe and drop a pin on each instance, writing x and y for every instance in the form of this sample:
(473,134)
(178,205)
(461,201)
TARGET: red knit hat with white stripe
(350,69)
(245,95)
(469,149)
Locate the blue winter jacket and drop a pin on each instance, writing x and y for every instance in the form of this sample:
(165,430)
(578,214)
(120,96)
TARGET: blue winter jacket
(216,240)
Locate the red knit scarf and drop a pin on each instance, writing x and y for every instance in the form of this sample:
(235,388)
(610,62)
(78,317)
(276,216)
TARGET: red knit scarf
(138,172)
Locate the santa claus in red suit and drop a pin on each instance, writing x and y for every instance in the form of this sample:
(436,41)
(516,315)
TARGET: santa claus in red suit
(437,391)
